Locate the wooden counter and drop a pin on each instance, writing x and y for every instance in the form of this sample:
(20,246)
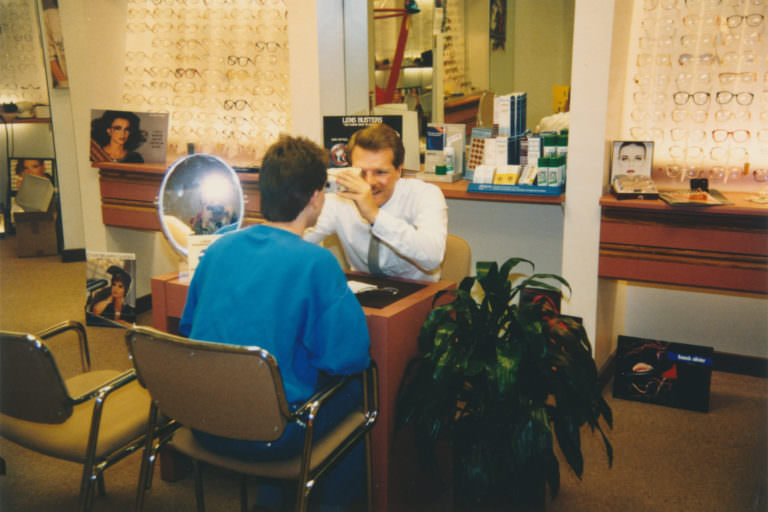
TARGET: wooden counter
(715,247)
(129,194)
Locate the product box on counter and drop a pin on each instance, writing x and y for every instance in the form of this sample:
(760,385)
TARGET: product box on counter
(445,147)
(663,373)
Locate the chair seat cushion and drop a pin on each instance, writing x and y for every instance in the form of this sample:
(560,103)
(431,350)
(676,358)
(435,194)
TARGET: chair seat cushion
(185,442)
(124,419)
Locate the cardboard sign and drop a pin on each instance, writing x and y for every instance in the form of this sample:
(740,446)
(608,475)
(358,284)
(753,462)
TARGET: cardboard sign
(664,373)
(338,129)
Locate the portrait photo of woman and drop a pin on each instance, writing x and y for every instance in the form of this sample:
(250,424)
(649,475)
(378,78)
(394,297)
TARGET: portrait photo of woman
(115,306)
(115,137)
(632,157)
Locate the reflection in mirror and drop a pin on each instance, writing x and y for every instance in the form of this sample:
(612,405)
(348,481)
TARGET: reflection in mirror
(200,195)
(24,116)
(531,53)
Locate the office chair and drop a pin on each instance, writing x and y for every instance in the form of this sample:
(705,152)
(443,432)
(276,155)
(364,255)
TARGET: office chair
(333,244)
(457,261)
(94,418)
(236,392)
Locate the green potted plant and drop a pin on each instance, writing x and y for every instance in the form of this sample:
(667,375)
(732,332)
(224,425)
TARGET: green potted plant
(500,379)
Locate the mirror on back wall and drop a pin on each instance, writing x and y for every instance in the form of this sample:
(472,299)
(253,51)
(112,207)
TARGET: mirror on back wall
(458,49)
(28,147)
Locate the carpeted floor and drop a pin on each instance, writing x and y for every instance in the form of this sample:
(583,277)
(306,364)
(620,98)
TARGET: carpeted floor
(664,459)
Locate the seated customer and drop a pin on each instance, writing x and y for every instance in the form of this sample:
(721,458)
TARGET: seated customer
(405,219)
(265,286)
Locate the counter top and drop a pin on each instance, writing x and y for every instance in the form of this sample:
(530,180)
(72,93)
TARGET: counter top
(723,247)
(458,190)
(740,206)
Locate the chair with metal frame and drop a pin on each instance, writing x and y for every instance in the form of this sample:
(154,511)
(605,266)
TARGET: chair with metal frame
(94,418)
(237,392)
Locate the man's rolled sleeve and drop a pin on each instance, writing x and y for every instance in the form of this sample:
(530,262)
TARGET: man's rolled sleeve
(421,240)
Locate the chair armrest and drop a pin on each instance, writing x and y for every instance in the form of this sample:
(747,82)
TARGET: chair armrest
(316,400)
(370,387)
(371,391)
(106,388)
(70,325)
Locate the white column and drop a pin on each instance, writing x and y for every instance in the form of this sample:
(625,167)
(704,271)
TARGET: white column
(587,161)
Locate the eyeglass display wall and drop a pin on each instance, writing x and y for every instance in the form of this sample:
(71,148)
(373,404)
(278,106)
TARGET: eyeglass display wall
(697,86)
(23,77)
(219,68)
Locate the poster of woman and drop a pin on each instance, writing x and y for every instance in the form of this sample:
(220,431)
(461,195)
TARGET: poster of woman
(110,288)
(128,137)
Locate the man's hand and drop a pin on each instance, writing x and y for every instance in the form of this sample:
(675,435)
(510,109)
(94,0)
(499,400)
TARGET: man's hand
(358,190)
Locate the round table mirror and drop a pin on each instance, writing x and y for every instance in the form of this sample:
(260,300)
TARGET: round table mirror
(200,195)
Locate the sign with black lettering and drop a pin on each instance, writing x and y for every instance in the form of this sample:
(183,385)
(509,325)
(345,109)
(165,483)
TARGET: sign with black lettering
(338,129)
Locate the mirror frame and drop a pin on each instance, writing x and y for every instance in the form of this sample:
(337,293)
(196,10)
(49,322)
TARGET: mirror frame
(234,179)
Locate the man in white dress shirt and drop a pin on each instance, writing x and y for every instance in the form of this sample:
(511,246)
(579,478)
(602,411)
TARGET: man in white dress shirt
(387,224)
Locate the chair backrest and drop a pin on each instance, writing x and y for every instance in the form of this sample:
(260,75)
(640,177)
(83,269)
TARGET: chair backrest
(457,261)
(333,244)
(31,387)
(226,390)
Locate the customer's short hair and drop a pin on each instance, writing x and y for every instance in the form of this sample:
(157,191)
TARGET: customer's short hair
(377,137)
(293,168)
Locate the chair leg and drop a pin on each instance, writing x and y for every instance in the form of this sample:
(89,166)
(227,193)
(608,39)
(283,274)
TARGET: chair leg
(302,495)
(151,470)
(2,466)
(198,486)
(243,494)
(145,477)
(368,472)
(86,488)
(100,482)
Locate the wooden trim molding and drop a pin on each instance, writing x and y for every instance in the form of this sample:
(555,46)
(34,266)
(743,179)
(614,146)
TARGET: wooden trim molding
(129,195)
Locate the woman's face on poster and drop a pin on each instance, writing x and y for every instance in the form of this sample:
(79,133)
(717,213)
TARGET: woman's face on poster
(118,289)
(632,159)
(119,131)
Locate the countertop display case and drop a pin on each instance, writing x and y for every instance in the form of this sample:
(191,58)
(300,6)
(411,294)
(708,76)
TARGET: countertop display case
(722,247)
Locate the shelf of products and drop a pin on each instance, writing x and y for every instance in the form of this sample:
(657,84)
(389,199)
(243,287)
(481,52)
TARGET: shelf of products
(458,190)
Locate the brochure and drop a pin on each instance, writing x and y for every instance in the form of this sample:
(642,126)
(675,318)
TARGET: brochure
(694,198)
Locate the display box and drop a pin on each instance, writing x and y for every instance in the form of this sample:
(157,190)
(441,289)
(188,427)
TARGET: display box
(445,146)
(664,373)
(631,170)
(36,234)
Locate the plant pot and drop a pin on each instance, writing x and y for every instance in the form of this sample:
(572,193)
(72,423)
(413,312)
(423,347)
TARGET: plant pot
(515,498)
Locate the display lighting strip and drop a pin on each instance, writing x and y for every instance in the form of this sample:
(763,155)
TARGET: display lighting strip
(697,86)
